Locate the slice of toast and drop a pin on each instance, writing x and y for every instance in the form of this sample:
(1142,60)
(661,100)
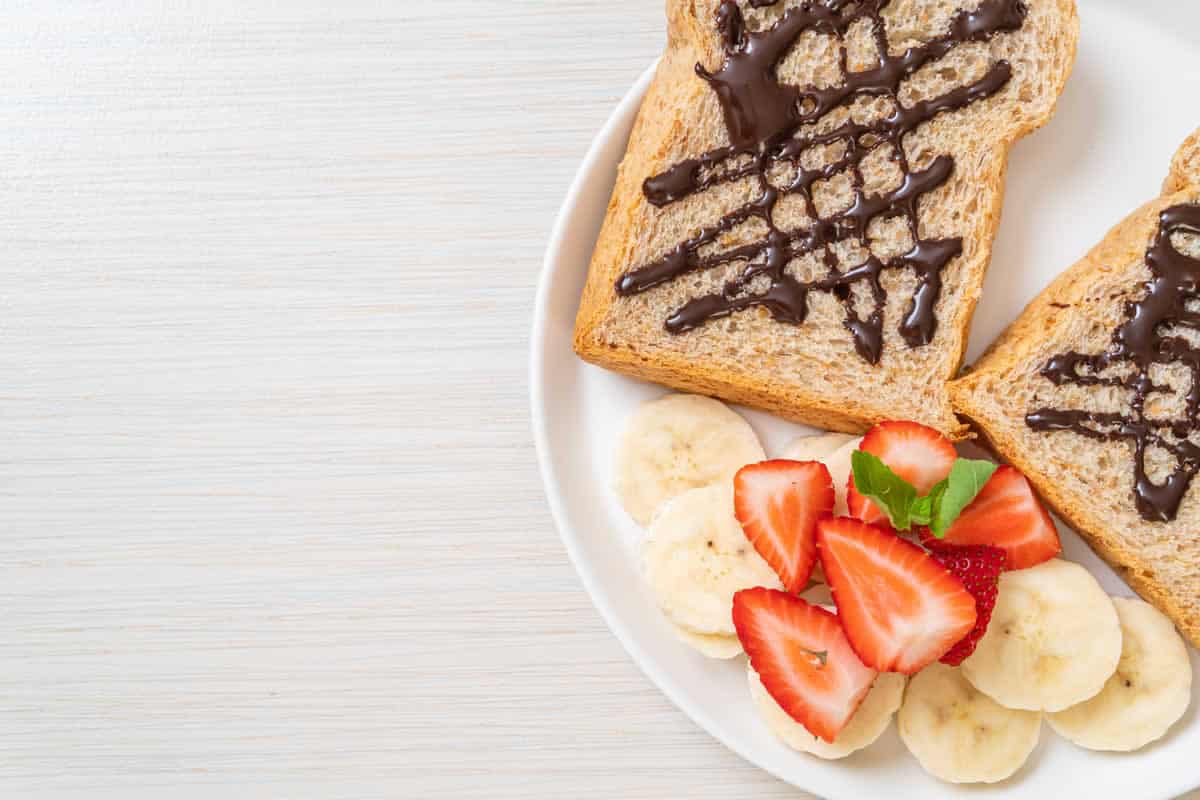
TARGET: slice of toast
(1094,393)
(805,213)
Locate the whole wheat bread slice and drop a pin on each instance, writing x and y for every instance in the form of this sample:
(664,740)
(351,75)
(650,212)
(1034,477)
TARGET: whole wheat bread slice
(1091,482)
(816,371)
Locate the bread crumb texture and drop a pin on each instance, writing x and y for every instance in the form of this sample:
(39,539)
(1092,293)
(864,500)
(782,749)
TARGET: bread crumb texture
(1089,482)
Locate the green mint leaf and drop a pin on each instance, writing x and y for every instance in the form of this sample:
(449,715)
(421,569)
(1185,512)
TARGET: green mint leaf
(921,512)
(966,480)
(923,508)
(937,492)
(875,480)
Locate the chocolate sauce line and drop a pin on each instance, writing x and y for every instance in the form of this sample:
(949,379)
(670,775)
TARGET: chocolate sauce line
(1141,342)
(764,118)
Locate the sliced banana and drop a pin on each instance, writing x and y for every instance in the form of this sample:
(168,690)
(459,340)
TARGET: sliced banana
(817,447)
(837,460)
(839,469)
(868,723)
(677,443)
(838,464)
(716,646)
(961,735)
(1148,693)
(1054,639)
(697,558)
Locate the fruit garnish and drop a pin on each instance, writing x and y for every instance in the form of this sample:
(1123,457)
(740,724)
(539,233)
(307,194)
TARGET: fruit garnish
(1054,640)
(1008,514)
(778,504)
(917,454)
(803,658)
(1150,691)
(900,501)
(901,609)
(695,559)
(979,568)
(959,734)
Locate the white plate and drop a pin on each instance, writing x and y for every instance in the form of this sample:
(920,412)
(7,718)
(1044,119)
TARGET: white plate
(1130,104)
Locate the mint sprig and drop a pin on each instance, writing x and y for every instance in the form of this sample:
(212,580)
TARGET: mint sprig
(966,481)
(900,500)
(896,496)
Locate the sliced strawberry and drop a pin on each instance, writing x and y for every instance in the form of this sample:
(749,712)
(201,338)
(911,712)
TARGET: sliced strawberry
(901,609)
(1007,514)
(778,504)
(803,658)
(920,455)
(979,568)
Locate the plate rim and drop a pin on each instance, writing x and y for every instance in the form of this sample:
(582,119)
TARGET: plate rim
(662,679)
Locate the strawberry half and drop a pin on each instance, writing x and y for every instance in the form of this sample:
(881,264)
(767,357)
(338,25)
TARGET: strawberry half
(803,658)
(918,454)
(979,568)
(778,504)
(901,609)
(1007,514)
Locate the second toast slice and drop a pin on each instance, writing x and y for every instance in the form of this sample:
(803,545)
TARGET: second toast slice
(1094,393)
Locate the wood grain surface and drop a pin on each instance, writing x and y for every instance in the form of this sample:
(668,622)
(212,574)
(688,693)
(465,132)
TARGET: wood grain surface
(272,525)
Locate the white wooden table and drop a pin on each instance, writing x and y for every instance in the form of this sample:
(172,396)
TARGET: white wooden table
(271,521)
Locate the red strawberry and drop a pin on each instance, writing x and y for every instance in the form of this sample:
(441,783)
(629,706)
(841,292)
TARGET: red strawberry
(1007,514)
(778,504)
(979,568)
(920,455)
(803,658)
(901,609)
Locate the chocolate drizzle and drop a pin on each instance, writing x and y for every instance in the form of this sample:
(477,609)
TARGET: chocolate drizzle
(1146,338)
(769,125)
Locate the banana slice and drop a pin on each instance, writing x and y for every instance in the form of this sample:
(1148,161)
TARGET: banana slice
(1054,639)
(718,646)
(1148,693)
(838,447)
(677,443)
(961,735)
(838,464)
(817,447)
(697,558)
(868,723)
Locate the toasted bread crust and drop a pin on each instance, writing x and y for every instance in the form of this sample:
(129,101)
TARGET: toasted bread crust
(1129,564)
(661,132)
(1125,244)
